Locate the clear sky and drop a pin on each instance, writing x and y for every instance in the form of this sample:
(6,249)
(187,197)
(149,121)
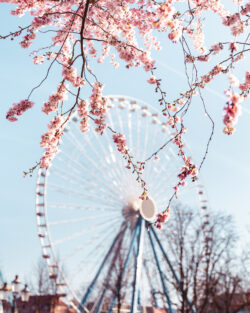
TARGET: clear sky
(226,173)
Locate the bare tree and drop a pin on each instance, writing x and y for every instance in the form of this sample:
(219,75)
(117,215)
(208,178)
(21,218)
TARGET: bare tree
(41,284)
(206,262)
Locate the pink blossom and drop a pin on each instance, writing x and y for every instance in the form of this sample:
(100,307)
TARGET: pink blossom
(152,80)
(99,106)
(175,35)
(18,109)
(38,59)
(50,141)
(162,217)
(70,74)
(233,80)
(246,85)
(121,143)
(233,110)
(216,48)
(159,226)
(54,99)
(83,113)
(203,58)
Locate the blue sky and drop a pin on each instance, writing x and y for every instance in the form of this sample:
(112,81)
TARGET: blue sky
(226,173)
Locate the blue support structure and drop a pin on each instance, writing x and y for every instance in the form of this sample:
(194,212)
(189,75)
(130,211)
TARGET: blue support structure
(165,290)
(171,268)
(151,285)
(139,301)
(138,267)
(127,259)
(91,286)
(99,305)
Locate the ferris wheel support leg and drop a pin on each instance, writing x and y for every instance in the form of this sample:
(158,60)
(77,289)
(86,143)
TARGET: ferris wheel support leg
(127,259)
(138,267)
(111,268)
(165,290)
(91,286)
(151,286)
(171,268)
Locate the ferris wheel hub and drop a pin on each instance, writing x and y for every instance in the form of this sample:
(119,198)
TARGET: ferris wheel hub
(148,209)
(131,209)
(135,207)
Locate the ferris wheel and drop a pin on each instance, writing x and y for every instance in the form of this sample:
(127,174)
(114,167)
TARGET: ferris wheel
(90,220)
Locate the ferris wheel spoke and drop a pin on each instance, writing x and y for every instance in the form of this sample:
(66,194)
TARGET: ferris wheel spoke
(86,169)
(80,147)
(118,163)
(190,190)
(170,172)
(146,135)
(95,251)
(152,164)
(69,191)
(91,182)
(138,133)
(71,206)
(100,240)
(75,235)
(89,194)
(76,220)
(76,177)
(122,167)
(130,137)
(99,157)
(119,120)
(114,171)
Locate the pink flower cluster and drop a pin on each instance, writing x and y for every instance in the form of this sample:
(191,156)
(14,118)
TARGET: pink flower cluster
(188,169)
(246,85)
(234,21)
(70,73)
(152,80)
(54,99)
(245,10)
(99,106)
(50,141)
(83,113)
(121,143)
(216,48)
(40,21)
(233,80)
(175,35)
(217,69)
(233,111)
(18,109)
(27,40)
(161,218)
(38,59)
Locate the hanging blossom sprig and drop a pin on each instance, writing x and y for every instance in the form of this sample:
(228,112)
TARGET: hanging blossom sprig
(50,141)
(121,144)
(18,109)
(233,108)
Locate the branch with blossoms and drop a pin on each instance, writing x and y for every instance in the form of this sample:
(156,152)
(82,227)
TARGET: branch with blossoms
(81,27)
